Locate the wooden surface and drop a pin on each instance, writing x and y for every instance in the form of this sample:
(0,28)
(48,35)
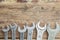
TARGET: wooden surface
(33,39)
(21,12)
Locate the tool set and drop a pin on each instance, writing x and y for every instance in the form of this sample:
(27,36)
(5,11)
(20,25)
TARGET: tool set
(29,29)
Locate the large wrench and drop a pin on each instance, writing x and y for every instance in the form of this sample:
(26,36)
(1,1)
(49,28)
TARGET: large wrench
(13,29)
(40,31)
(21,31)
(5,30)
(52,32)
(30,31)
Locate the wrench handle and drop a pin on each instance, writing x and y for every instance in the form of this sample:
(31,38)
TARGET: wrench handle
(21,36)
(50,37)
(30,32)
(13,35)
(39,35)
(6,35)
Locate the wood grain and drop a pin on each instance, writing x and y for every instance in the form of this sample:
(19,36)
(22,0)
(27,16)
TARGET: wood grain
(21,12)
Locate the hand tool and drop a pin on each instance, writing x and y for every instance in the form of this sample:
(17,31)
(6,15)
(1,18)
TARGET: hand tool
(52,32)
(21,31)
(5,30)
(30,31)
(13,29)
(40,31)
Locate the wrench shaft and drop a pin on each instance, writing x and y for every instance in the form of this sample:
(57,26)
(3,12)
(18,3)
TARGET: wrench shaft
(6,35)
(13,35)
(39,35)
(30,32)
(21,36)
(50,37)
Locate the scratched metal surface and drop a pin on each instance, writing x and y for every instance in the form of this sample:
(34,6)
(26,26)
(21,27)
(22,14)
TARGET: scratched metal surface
(48,11)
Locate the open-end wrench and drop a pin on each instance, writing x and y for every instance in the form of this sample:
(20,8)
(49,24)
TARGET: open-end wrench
(52,32)
(40,31)
(5,30)
(21,31)
(30,31)
(13,29)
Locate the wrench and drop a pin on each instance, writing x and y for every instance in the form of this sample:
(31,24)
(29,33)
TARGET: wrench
(30,31)
(13,29)
(52,32)
(21,31)
(40,31)
(5,30)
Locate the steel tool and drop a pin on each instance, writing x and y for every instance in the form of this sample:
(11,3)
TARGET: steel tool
(40,31)
(13,29)
(30,31)
(5,30)
(21,31)
(52,32)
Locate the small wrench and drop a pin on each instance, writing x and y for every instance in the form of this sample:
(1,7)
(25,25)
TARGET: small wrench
(30,31)
(13,29)
(21,31)
(5,30)
(52,32)
(40,31)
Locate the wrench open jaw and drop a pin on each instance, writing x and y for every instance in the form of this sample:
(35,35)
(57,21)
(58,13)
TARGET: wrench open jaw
(6,29)
(13,26)
(40,28)
(52,32)
(40,31)
(30,31)
(32,27)
(21,31)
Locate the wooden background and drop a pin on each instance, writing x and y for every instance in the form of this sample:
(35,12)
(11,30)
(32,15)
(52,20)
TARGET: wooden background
(13,12)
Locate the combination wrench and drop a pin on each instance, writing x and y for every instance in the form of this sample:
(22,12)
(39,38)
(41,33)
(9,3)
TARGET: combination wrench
(52,32)
(30,31)
(40,31)
(13,29)
(5,30)
(21,31)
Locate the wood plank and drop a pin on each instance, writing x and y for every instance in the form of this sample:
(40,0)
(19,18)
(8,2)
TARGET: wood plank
(32,39)
(20,13)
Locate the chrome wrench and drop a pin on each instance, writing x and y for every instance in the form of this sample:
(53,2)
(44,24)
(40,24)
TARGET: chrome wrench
(30,31)
(40,31)
(21,31)
(13,29)
(5,30)
(52,32)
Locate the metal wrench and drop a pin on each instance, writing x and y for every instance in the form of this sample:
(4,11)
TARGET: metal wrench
(5,30)
(13,29)
(40,31)
(21,31)
(52,32)
(30,31)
